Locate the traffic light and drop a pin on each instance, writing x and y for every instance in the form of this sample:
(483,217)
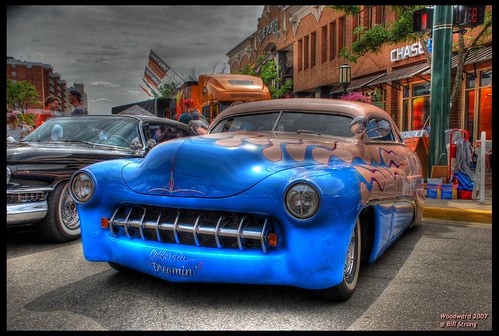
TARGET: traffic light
(422,20)
(468,16)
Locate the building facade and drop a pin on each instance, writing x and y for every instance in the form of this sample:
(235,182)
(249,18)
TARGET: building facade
(306,42)
(46,81)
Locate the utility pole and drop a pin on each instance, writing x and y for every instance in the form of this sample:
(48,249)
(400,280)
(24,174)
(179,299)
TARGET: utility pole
(440,85)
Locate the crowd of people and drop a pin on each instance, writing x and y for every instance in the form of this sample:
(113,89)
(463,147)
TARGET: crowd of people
(18,127)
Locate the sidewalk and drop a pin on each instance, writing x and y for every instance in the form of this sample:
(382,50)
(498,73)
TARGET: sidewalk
(462,210)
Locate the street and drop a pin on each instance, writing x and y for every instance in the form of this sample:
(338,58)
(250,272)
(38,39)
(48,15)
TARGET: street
(437,276)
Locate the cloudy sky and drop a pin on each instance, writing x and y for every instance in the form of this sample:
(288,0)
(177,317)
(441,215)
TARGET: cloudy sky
(107,47)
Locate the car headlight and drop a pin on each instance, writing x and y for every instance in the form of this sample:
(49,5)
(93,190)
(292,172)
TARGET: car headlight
(302,200)
(82,187)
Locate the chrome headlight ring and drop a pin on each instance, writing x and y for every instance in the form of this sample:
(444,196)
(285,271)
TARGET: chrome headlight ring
(81,187)
(302,200)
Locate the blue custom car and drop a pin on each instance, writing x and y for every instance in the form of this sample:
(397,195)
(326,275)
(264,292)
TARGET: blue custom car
(280,192)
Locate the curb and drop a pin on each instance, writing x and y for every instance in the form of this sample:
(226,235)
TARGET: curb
(454,214)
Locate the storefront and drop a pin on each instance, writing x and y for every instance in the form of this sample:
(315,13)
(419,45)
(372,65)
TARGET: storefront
(308,40)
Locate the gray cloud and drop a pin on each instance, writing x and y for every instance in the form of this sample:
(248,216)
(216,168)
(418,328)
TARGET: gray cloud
(107,47)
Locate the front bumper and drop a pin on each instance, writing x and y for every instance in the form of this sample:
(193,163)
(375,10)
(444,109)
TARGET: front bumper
(27,205)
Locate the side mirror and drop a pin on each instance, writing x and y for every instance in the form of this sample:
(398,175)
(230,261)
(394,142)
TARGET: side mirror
(377,130)
(358,125)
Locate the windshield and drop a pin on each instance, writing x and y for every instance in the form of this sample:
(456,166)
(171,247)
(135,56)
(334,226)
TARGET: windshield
(96,130)
(288,121)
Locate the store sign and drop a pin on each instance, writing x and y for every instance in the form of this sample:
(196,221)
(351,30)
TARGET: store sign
(271,28)
(401,53)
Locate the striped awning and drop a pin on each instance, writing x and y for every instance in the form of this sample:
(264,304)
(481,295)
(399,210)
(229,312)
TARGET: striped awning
(401,73)
(477,55)
(357,83)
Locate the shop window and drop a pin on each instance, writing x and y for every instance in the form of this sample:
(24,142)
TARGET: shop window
(478,105)
(416,106)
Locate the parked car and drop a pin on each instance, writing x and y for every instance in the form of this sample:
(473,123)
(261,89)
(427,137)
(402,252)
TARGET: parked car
(290,192)
(41,164)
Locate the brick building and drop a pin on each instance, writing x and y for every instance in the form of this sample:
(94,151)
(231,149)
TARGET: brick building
(306,41)
(46,81)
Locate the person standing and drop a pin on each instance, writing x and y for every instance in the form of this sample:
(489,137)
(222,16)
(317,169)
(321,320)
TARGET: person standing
(49,110)
(75,100)
(186,116)
(14,131)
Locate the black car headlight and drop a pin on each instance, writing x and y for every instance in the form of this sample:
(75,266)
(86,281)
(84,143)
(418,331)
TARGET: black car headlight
(302,200)
(82,187)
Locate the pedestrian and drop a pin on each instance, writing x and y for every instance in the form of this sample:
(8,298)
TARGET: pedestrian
(14,130)
(49,110)
(186,116)
(75,100)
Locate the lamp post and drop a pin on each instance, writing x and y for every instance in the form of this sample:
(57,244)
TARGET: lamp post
(345,77)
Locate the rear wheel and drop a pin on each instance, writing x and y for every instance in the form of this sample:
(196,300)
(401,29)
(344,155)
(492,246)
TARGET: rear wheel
(346,287)
(62,223)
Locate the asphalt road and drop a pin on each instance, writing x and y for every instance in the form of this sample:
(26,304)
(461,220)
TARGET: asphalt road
(438,276)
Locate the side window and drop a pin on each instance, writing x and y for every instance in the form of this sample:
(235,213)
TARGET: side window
(380,130)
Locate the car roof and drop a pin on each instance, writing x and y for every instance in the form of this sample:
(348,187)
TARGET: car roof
(144,118)
(323,105)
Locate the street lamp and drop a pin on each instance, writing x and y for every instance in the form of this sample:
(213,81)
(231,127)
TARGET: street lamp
(345,77)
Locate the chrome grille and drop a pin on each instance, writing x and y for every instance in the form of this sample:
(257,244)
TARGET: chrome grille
(26,197)
(193,227)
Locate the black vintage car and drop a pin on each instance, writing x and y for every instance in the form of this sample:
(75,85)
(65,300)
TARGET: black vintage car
(40,165)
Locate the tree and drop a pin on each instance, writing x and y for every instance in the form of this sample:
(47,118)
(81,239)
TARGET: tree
(266,69)
(166,90)
(372,40)
(21,94)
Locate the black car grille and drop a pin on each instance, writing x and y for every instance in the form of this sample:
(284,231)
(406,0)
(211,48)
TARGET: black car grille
(194,227)
(23,197)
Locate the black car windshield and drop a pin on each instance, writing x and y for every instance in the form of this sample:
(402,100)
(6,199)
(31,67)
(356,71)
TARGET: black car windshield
(95,130)
(288,121)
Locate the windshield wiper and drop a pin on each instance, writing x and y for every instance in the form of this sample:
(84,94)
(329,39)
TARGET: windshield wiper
(300,131)
(91,144)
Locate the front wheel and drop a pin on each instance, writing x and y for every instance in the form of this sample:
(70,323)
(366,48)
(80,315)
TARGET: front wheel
(62,223)
(344,290)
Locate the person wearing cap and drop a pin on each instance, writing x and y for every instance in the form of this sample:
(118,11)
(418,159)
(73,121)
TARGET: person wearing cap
(186,116)
(75,100)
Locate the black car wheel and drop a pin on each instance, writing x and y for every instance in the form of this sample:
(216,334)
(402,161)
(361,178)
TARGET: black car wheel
(62,223)
(345,289)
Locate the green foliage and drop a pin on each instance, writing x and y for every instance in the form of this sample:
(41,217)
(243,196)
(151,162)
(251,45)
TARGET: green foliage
(21,94)
(268,73)
(166,90)
(372,40)
(30,118)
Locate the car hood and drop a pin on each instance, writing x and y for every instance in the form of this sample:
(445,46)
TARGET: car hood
(40,152)
(221,165)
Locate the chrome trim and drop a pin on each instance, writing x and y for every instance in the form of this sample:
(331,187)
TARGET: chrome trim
(193,227)
(29,190)
(26,212)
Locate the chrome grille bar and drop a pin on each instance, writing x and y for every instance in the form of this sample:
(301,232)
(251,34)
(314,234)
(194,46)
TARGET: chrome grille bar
(194,227)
